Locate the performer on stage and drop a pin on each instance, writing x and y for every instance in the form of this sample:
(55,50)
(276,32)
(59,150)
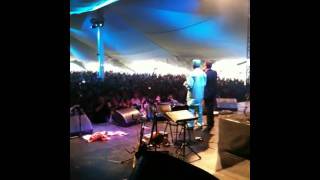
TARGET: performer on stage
(210,93)
(195,84)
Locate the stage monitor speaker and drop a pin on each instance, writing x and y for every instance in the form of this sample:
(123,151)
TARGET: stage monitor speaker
(158,165)
(126,117)
(227,104)
(79,123)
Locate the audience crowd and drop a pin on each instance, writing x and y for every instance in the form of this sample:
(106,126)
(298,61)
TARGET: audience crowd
(119,90)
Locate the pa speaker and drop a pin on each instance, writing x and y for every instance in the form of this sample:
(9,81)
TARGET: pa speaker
(126,117)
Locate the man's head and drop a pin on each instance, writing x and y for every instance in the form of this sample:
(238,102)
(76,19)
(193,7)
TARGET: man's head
(208,64)
(196,63)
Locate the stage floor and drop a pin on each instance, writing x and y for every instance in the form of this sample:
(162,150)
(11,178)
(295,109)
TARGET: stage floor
(90,161)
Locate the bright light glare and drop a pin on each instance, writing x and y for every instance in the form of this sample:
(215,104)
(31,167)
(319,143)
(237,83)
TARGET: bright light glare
(75,68)
(228,68)
(157,67)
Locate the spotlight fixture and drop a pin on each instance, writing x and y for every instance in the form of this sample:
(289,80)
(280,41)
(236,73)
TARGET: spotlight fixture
(97,22)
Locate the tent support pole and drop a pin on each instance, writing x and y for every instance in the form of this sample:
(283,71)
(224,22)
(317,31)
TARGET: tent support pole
(100,54)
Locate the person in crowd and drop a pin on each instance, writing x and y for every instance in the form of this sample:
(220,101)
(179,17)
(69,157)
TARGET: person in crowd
(135,101)
(158,99)
(171,100)
(195,84)
(100,111)
(144,106)
(128,102)
(123,104)
(210,91)
(108,108)
(115,103)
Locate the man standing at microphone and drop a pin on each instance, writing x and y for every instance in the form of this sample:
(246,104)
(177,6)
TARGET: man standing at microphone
(195,84)
(210,93)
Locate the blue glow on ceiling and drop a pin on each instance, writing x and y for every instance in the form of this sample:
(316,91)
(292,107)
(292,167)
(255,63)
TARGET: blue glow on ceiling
(179,21)
(82,6)
(195,29)
(174,19)
(77,53)
(86,37)
(119,37)
(212,35)
(173,5)
(80,34)
(166,19)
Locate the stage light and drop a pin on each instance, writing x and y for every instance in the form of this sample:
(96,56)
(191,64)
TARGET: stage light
(83,81)
(97,22)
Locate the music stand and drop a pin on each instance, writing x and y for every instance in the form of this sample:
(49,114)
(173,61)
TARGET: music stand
(183,116)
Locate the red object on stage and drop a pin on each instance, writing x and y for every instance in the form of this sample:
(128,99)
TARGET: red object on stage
(98,136)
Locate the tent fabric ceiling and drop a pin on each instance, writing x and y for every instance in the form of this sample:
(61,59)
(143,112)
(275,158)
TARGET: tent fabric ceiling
(166,30)
(82,6)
